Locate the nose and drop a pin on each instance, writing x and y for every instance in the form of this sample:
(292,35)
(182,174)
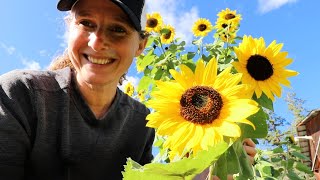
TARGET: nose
(97,41)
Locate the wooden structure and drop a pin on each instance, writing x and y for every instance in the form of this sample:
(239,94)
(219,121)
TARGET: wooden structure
(308,131)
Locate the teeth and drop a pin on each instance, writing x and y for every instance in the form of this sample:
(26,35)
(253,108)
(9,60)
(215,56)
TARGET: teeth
(99,61)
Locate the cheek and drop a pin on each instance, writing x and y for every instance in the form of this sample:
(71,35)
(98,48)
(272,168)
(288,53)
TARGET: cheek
(76,40)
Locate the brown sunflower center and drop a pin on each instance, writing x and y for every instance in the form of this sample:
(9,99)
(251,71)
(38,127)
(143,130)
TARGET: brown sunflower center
(259,67)
(224,25)
(229,16)
(200,105)
(202,27)
(167,35)
(152,22)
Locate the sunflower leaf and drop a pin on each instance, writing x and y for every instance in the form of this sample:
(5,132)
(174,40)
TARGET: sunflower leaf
(246,171)
(264,101)
(145,83)
(221,167)
(260,122)
(186,168)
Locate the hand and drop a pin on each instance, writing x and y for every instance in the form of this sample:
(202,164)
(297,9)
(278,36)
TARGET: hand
(250,147)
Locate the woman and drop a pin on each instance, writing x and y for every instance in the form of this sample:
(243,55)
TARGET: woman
(73,122)
(76,124)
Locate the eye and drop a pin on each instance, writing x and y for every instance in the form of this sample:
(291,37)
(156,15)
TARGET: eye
(87,24)
(118,30)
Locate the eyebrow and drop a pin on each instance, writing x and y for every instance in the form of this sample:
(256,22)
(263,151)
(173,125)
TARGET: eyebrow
(122,18)
(118,17)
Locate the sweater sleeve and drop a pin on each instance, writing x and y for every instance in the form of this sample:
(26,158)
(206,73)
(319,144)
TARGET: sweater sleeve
(15,130)
(147,156)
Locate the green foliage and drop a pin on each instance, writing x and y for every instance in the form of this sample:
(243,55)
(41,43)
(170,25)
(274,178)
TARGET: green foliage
(284,159)
(259,120)
(186,168)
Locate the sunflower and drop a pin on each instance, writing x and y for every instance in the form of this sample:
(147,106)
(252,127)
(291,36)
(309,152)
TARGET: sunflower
(140,68)
(167,34)
(228,17)
(227,37)
(129,89)
(202,27)
(154,22)
(142,95)
(263,67)
(225,27)
(199,109)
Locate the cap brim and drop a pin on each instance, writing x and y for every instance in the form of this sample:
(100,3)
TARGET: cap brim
(65,5)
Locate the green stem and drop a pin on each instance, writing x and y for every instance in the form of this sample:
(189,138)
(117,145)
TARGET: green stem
(210,175)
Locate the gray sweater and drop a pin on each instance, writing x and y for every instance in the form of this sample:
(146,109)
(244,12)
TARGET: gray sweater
(48,132)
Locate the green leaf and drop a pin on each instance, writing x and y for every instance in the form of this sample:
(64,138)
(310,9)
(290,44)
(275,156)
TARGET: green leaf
(232,160)
(164,31)
(264,101)
(221,167)
(158,74)
(276,159)
(260,121)
(144,83)
(246,170)
(299,155)
(146,60)
(237,162)
(304,168)
(267,171)
(277,150)
(292,175)
(190,55)
(150,40)
(186,168)
(288,164)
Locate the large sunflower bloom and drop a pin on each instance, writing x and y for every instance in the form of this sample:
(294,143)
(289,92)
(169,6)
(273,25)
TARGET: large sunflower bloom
(263,67)
(154,22)
(199,109)
(168,34)
(202,27)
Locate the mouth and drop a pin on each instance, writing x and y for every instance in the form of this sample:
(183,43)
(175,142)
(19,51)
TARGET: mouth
(100,61)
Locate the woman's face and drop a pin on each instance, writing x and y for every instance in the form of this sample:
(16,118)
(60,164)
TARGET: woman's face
(102,43)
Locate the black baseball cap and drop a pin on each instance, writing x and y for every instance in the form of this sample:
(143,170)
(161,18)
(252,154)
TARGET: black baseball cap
(133,8)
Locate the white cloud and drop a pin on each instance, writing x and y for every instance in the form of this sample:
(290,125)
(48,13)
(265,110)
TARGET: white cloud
(30,64)
(269,5)
(9,49)
(171,12)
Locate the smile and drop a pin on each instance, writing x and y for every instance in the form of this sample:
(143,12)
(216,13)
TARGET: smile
(100,60)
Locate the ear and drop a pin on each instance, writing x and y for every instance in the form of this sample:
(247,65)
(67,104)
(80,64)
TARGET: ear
(142,45)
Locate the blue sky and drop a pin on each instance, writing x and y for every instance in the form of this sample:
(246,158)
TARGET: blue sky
(33,33)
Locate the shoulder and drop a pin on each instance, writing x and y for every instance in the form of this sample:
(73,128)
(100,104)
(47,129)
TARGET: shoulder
(133,104)
(31,79)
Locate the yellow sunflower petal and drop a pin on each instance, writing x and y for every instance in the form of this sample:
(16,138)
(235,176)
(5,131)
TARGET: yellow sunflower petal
(199,72)
(228,129)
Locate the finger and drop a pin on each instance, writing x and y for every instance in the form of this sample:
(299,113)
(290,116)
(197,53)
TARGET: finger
(249,142)
(230,177)
(251,151)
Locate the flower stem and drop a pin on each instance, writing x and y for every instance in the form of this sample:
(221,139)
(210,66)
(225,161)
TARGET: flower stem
(210,175)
